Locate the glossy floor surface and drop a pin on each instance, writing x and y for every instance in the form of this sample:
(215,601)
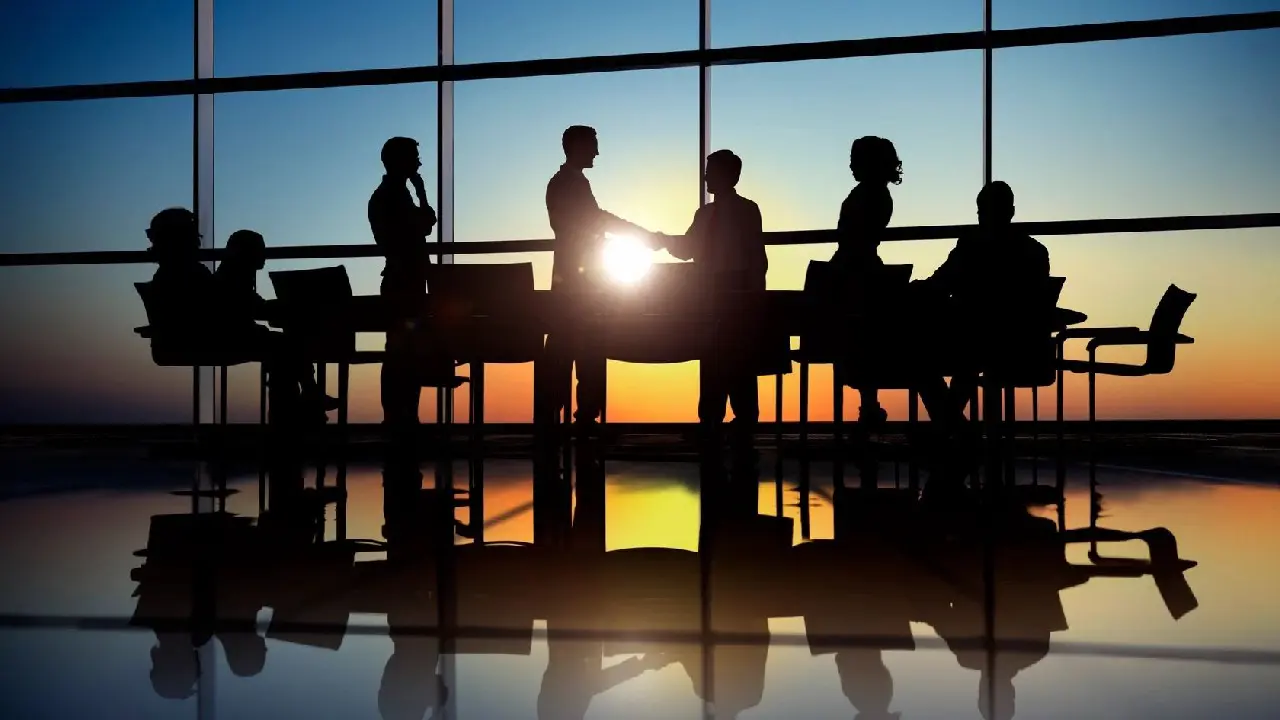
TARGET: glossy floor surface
(862,614)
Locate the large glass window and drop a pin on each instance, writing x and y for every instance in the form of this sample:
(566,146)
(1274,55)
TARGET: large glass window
(87,176)
(292,36)
(1162,126)
(647,172)
(69,42)
(495,30)
(767,22)
(299,166)
(1038,13)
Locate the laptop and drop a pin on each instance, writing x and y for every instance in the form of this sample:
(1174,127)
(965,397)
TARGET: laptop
(318,285)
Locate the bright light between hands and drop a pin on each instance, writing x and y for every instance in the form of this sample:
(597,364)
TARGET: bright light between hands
(626,259)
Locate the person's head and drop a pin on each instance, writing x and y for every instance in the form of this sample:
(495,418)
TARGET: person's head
(723,171)
(995,204)
(1002,705)
(174,666)
(400,157)
(174,235)
(247,248)
(874,159)
(581,146)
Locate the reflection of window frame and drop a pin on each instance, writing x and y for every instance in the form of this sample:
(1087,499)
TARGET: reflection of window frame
(444,73)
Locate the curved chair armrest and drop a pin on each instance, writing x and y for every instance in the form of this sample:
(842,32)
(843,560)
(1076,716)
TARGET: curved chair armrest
(1081,333)
(1136,337)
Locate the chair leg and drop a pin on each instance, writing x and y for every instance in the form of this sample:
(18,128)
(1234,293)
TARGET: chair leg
(777,443)
(262,438)
(1035,435)
(344,394)
(1093,395)
(837,427)
(804,441)
(1010,434)
(1060,462)
(913,419)
(222,395)
(195,395)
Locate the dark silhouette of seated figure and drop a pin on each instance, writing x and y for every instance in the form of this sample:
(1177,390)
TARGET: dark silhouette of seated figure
(579,226)
(726,239)
(864,215)
(240,306)
(400,228)
(987,283)
(182,284)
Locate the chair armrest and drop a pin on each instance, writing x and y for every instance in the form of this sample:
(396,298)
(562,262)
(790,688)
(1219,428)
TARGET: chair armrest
(1135,337)
(1080,333)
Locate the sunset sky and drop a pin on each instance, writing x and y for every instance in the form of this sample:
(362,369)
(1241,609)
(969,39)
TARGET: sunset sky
(1170,126)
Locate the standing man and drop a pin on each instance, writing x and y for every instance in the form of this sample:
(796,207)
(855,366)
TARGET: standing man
(400,228)
(726,240)
(579,226)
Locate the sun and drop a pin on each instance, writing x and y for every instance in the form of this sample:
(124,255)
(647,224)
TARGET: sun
(626,259)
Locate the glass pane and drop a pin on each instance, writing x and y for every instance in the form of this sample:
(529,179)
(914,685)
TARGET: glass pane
(494,30)
(767,22)
(72,356)
(299,166)
(793,125)
(1229,371)
(1020,14)
(647,172)
(1151,127)
(89,175)
(68,42)
(294,36)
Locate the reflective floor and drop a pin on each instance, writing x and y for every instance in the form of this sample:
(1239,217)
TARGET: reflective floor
(597,603)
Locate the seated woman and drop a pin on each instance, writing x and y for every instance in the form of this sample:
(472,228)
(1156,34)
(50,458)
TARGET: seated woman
(863,218)
(240,306)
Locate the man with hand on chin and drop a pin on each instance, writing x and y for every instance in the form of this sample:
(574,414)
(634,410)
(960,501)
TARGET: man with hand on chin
(400,228)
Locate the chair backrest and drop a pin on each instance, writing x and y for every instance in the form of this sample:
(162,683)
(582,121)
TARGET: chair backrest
(1163,332)
(481,289)
(820,276)
(1055,289)
(317,300)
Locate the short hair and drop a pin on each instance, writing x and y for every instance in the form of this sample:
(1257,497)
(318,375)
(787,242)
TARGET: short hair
(731,163)
(875,159)
(397,147)
(171,221)
(246,241)
(997,191)
(575,134)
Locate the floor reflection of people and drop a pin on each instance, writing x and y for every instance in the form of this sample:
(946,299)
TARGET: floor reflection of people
(575,672)
(188,595)
(417,524)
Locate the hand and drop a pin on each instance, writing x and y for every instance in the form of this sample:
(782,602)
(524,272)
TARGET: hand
(659,240)
(418,185)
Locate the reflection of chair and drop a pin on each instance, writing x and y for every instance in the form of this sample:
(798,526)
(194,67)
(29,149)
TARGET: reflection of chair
(194,349)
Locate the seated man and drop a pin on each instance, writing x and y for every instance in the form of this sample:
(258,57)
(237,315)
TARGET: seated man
(987,282)
(727,240)
(240,306)
(182,285)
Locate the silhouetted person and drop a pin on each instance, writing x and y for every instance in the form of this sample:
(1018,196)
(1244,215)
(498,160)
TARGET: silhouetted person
(188,311)
(400,228)
(864,215)
(726,239)
(182,285)
(988,281)
(579,226)
(239,308)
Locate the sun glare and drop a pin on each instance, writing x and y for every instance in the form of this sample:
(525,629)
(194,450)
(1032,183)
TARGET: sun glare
(626,259)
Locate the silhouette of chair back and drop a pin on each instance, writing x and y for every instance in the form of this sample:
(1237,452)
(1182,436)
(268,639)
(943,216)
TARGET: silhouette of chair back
(661,319)
(317,303)
(1162,333)
(474,308)
(189,345)
(1027,357)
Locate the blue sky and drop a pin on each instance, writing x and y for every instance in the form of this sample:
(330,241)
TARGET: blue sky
(1148,127)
